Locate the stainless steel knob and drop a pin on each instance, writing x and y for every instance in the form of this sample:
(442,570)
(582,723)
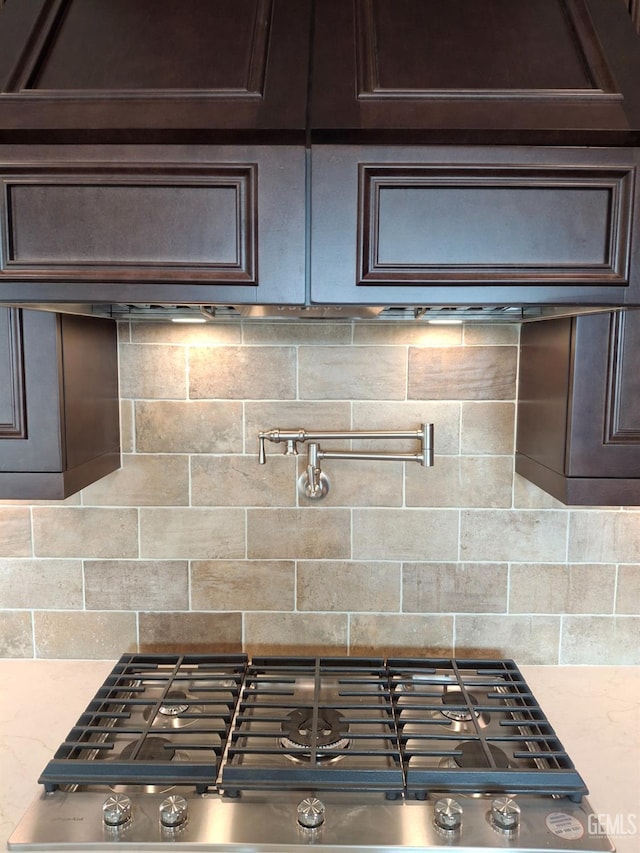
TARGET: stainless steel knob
(116,810)
(173,811)
(505,814)
(447,814)
(311,812)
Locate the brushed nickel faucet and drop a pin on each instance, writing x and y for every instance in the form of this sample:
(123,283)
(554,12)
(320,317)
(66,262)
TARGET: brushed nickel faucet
(314,483)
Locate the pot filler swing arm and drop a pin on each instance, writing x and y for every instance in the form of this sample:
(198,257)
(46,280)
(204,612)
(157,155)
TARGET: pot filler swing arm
(314,483)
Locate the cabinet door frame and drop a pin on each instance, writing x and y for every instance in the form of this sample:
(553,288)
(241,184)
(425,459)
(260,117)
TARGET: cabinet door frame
(346,219)
(40,446)
(266,218)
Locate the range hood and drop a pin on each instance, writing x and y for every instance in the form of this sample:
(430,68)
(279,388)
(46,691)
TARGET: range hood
(436,315)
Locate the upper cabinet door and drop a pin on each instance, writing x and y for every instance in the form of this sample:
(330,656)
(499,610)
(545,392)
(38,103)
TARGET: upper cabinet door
(493,71)
(154,70)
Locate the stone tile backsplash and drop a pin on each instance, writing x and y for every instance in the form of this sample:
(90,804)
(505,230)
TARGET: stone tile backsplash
(193,546)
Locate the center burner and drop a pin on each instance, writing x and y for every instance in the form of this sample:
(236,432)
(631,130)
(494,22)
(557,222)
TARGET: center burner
(315,723)
(304,730)
(462,710)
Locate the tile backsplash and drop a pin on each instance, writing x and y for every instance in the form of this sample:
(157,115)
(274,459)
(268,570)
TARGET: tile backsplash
(194,546)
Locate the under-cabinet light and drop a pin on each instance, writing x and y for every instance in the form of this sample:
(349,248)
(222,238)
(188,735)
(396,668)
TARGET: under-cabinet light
(445,321)
(188,320)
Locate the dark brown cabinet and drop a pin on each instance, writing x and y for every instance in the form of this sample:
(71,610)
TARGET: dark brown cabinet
(578,434)
(59,414)
(152,224)
(443,225)
(541,72)
(154,151)
(189,72)
(478,152)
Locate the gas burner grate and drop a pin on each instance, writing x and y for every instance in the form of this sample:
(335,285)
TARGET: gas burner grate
(474,725)
(157,720)
(332,718)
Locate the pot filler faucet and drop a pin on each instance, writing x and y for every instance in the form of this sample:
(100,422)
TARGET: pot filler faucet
(314,483)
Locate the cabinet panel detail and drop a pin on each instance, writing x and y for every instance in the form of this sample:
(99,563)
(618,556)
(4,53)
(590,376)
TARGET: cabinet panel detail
(469,225)
(622,409)
(13,421)
(426,50)
(142,223)
(146,49)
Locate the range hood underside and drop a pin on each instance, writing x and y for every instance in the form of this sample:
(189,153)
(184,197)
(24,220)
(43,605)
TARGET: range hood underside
(444,314)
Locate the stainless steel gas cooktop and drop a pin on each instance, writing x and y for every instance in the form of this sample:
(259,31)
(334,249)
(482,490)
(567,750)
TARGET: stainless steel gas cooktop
(223,753)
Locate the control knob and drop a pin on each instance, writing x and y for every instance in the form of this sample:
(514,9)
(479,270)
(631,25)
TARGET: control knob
(116,810)
(505,814)
(311,812)
(173,811)
(447,814)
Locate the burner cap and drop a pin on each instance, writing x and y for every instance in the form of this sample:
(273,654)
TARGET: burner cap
(472,755)
(175,702)
(331,727)
(152,749)
(462,712)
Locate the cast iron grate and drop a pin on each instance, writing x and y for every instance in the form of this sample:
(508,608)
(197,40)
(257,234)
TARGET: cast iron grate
(157,719)
(470,725)
(323,723)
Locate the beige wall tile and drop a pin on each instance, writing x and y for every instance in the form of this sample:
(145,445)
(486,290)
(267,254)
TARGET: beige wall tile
(153,371)
(403,333)
(348,586)
(97,636)
(15,531)
(126,426)
(241,481)
(243,585)
(295,633)
(526,639)
(50,584)
(357,483)
(206,334)
(16,635)
(124,331)
(488,428)
(192,534)
(560,588)
(356,373)
(409,415)
(458,530)
(258,373)
(191,633)
(628,590)
(489,535)
(462,373)
(196,426)
(142,481)
(461,481)
(528,496)
(80,532)
(601,640)
(604,536)
(136,585)
(296,332)
(454,587)
(405,534)
(491,334)
(386,635)
(304,534)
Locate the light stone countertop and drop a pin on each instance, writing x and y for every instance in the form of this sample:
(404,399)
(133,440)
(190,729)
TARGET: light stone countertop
(594,710)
